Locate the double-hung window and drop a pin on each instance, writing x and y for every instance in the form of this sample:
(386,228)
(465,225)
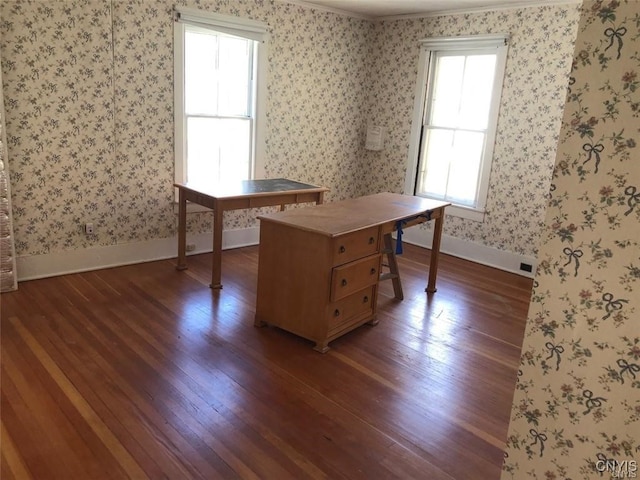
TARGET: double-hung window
(218,71)
(455,118)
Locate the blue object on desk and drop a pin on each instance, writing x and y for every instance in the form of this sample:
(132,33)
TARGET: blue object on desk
(399,225)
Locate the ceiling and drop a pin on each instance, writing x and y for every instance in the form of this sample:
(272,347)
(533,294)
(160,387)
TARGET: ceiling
(386,8)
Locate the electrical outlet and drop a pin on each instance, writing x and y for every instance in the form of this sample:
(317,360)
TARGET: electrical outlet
(88,228)
(526,267)
(190,247)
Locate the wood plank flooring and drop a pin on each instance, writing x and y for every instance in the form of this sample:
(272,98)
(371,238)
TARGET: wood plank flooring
(145,372)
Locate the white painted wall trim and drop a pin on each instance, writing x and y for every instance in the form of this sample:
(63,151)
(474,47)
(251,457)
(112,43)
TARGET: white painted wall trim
(463,11)
(475,252)
(492,8)
(326,8)
(61,263)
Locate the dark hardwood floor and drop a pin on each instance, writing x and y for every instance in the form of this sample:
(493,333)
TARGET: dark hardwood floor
(144,372)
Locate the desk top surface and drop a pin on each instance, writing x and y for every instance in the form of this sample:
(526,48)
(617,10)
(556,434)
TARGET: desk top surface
(246,188)
(338,218)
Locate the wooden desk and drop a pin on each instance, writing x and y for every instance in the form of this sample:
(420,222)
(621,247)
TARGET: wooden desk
(319,267)
(245,194)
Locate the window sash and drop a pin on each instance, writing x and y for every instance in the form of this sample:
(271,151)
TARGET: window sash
(450,163)
(210,98)
(466,88)
(220,149)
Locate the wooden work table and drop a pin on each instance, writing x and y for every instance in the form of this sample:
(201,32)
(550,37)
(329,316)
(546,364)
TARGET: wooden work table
(319,267)
(235,196)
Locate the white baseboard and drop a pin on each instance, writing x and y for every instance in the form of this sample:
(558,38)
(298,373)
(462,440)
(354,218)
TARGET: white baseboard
(475,252)
(61,263)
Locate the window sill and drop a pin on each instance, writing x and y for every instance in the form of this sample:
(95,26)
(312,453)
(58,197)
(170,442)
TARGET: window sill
(465,212)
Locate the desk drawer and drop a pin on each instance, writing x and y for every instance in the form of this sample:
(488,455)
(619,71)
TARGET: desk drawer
(355,245)
(355,306)
(354,276)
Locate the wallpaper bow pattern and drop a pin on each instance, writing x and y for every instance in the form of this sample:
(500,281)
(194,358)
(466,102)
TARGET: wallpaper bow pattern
(576,411)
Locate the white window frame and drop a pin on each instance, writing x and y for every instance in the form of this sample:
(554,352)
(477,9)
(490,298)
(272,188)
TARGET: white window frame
(230,25)
(499,42)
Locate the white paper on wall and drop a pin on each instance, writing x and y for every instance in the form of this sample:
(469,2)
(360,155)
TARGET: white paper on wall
(375,138)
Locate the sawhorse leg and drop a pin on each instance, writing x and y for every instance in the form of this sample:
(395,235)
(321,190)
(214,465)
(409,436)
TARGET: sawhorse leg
(394,273)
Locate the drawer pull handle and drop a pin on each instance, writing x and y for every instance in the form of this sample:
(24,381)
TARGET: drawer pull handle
(342,249)
(365,299)
(371,240)
(344,282)
(373,271)
(336,313)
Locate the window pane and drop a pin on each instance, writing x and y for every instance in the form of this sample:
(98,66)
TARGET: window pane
(217,74)
(476,92)
(218,150)
(434,164)
(450,165)
(445,102)
(462,91)
(235,62)
(464,167)
(200,73)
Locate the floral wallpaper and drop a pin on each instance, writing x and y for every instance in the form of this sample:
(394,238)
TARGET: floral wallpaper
(88,87)
(142,91)
(318,89)
(576,411)
(537,69)
(8,277)
(58,83)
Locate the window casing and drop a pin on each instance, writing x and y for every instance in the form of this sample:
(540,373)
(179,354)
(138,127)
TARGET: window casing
(219,85)
(454,123)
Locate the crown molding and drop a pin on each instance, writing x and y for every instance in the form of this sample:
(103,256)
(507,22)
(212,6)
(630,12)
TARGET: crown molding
(495,8)
(371,18)
(322,8)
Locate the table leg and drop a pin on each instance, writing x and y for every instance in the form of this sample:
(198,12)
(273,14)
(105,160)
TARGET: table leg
(182,230)
(216,269)
(435,252)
